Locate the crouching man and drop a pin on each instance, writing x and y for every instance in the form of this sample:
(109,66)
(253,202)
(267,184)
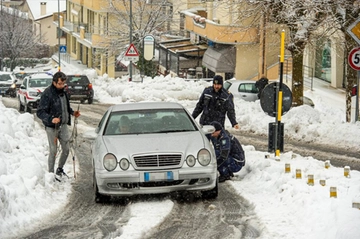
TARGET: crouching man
(229,153)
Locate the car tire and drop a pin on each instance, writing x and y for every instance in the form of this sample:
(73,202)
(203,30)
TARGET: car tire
(90,100)
(99,198)
(21,107)
(210,194)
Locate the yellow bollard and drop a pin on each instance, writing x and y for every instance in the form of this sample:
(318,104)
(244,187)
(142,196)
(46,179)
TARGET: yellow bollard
(333,193)
(327,164)
(322,182)
(298,173)
(356,205)
(311,180)
(347,171)
(287,168)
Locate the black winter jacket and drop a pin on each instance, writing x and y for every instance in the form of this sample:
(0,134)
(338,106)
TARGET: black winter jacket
(214,106)
(50,107)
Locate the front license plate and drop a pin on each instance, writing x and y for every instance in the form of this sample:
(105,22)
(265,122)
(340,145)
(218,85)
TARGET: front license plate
(158,176)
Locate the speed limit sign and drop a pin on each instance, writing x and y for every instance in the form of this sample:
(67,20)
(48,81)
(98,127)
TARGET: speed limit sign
(354,58)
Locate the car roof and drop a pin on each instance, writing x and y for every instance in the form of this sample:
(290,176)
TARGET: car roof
(146,106)
(39,75)
(241,81)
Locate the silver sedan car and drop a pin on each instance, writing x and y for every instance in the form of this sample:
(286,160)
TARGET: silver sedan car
(152,148)
(243,89)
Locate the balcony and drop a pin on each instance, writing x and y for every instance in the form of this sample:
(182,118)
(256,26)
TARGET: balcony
(224,34)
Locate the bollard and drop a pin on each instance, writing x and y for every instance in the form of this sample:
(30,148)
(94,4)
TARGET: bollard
(267,156)
(298,174)
(311,180)
(347,171)
(287,168)
(322,182)
(327,164)
(333,193)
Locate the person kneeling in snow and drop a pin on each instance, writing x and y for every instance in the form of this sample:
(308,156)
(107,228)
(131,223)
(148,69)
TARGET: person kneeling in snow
(229,153)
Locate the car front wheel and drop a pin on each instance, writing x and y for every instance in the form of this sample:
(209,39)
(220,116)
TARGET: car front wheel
(210,194)
(99,198)
(21,107)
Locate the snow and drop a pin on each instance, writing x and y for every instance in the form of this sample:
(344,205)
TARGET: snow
(288,207)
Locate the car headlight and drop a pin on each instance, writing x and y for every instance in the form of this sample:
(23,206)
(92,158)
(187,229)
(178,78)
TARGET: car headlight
(204,157)
(124,164)
(13,86)
(109,162)
(190,160)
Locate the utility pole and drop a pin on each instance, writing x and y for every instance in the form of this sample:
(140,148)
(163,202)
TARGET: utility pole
(59,33)
(1,34)
(130,18)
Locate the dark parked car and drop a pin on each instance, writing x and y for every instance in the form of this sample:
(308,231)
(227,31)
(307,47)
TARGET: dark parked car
(79,88)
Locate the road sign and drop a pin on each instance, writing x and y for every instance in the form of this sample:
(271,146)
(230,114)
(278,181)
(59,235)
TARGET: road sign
(62,49)
(354,30)
(149,47)
(131,53)
(268,99)
(354,58)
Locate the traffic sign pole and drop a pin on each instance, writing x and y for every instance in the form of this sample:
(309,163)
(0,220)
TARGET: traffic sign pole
(354,62)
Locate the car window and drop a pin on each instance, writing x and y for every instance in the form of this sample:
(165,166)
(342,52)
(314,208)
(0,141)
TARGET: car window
(150,121)
(5,77)
(79,80)
(248,88)
(40,82)
(226,85)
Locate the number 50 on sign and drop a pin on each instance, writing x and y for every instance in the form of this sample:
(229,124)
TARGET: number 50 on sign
(354,58)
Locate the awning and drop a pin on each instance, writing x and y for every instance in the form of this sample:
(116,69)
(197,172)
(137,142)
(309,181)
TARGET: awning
(220,59)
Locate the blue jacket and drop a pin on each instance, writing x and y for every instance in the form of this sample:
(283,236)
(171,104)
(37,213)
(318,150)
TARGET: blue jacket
(214,106)
(227,145)
(50,107)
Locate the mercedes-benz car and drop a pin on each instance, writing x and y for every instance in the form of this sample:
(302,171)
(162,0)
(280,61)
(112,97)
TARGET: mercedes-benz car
(163,150)
(30,91)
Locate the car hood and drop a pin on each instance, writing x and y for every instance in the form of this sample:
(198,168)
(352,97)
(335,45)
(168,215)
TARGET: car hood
(182,142)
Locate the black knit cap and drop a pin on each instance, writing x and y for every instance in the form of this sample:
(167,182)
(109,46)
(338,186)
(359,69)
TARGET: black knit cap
(218,80)
(217,125)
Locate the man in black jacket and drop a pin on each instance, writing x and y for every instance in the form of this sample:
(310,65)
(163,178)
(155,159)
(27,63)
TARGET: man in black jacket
(215,103)
(230,155)
(55,112)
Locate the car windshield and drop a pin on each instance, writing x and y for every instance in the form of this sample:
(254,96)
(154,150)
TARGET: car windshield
(77,80)
(42,82)
(5,77)
(149,121)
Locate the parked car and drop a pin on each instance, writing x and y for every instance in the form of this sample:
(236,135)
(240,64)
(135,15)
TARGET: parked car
(7,84)
(243,89)
(246,90)
(31,89)
(164,150)
(79,88)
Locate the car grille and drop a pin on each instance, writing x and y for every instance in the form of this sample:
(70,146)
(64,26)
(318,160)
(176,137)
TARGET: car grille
(157,160)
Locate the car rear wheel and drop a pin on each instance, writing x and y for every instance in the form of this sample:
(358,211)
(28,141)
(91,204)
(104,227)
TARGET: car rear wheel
(21,107)
(90,100)
(210,194)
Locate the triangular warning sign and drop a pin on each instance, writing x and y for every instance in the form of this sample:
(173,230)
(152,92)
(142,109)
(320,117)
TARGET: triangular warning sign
(131,51)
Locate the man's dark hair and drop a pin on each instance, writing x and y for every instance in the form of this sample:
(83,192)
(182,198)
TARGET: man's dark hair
(59,75)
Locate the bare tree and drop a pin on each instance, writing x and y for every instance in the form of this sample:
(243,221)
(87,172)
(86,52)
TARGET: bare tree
(16,35)
(148,17)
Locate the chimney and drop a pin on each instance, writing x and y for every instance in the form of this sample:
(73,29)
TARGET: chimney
(42,8)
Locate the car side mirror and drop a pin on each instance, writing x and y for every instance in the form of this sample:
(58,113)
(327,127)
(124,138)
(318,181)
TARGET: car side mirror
(208,129)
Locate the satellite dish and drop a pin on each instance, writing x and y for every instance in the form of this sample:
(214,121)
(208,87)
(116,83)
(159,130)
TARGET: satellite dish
(268,99)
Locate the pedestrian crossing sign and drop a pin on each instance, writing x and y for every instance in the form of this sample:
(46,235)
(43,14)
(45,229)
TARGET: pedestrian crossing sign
(131,51)
(62,49)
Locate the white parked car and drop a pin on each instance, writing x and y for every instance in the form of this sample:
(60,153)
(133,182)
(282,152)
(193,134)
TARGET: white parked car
(31,89)
(243,89)
(152,148)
